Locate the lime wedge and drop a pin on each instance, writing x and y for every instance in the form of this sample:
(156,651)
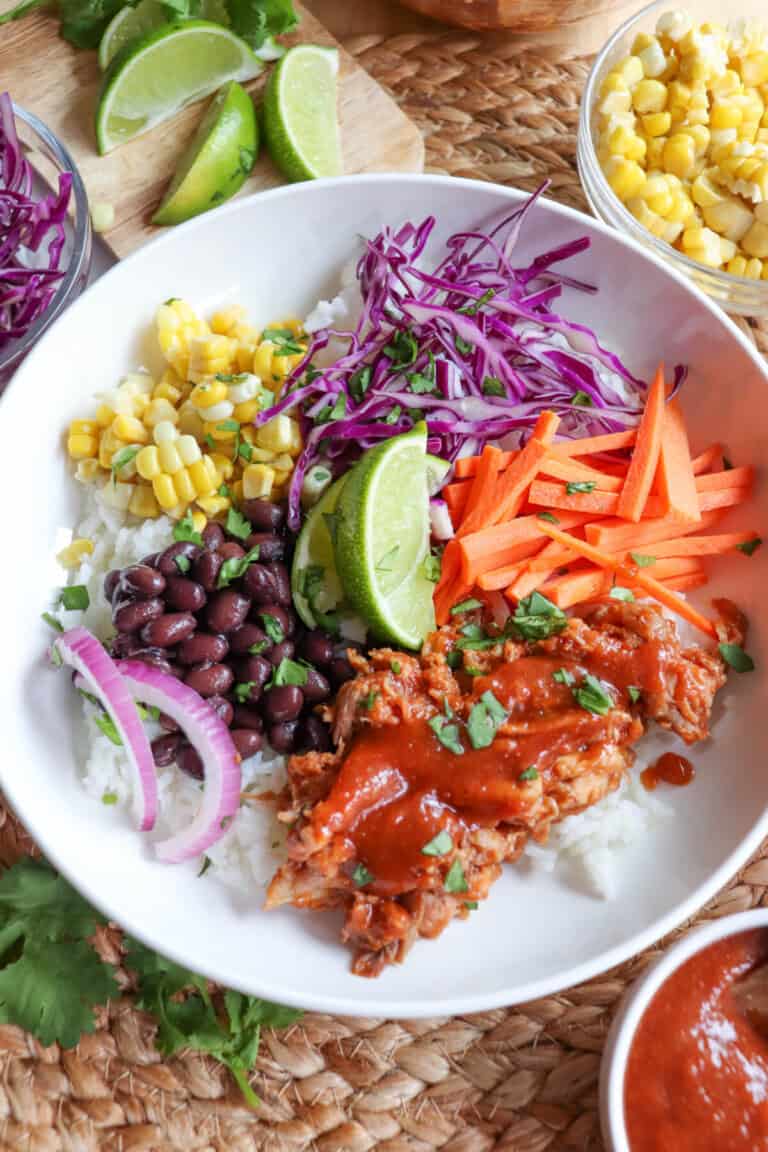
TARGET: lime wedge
(132,23)
(300,122)
(437,470)
(315,583)
(382,539)
(218,159)
(151,79)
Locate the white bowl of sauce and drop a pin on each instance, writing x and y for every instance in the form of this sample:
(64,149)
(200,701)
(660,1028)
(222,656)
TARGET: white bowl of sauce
(685,1067)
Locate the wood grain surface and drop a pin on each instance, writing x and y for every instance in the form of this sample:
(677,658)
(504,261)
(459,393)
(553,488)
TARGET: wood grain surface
(60,84)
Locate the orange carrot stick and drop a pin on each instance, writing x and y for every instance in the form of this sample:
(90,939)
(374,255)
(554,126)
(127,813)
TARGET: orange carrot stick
(515,481)
(466,466)
(553,495)
(686,583)
(566,470)
(500,578)
(566,591)
(707,459)
(675,481)
(618,536)
(482,499)
(607,442)
(491,547)
(667,597)
(730,478)
(717,545)
(645,457)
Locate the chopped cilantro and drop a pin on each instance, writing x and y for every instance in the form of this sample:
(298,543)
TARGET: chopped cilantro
(402,349)
(484,720)
(581,399)
(272,627)
(107,726)
(592,697)
(52,622)
(237,525)
(447,733)
(749,547)
(396,667)
(228,426)
(619,593)
(439,845)
(563,676)
(122,459)
(634,693)
(455,880)
(242,691)
(433,563)
(466,606)
(368,701)
(393,415)
(204,866)
(548,516)
(109,798)
(361,876)
(183,563)
(245,451)
(472,905)
(529,774)
(359,383)
(453,659)
(74,598)
(736,657)
(536,618)
(236,567)
(184,530)
(462,346)
(641,560)
(288,672)
(492,386)
(573,487)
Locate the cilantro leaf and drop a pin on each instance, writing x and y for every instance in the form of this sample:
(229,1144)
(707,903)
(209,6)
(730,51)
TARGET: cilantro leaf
(447,733)
(492,386)
(573,487)
(288,672)
(455,880)
(122,459)
(736,657)
(529,774)
(619,593)
(183,563)
(74,598)
(255,20)
(359,383)
(466,606)
(536,618)
(548,516)
(634,693)
(581,399)
(592,697)
(185,530)
(563,676)
(484,720)
(432,566)
(439,845)
(237,525)
(402,349)
(749,547)
(642,561)
(361,876)
(236,567)
(272,627)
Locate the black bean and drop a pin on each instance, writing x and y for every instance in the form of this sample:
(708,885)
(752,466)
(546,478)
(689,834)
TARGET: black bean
(340,670)
(259,584)
(166,561)
(247,637)
(282,582)
(247,741)
(165,749)
(143,580)
(317,648)
(125,645)
(148,656)
(231,550)
(285,650)
(222,707)
(283,703)
(190,762)
(316,688)
(227,610)
(168,723)
(206,570)
(253,670)
(282,736)
(246,717)
(270,547)
(314,735)
(203,648)
(135,614)
(169,629)
(282,624)
(263,514)
(110,583)
(151,560)
(213,536)
(184,595)
(210,679)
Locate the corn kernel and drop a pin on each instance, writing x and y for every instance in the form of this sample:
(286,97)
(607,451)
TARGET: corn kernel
(141,403)
(649,96)
(652,58)
(83,428)
(737,266)
(725,115)
(248,433)
(257,481)
(108,445)
(214,505)
(199,520)
(72,555)
(244,356)
(282,463)
(237,491)
(130,430)
(224,322)
(674,25)
(184,485)
(148,463)
(700,136)
(679,155)
(167,391)
(704,192)
(143,502)
(263,357)
(87,470)
(245,413)
(656,123)
(281,433)
(170,461)
(755,241)
(164,491)
(116,495)
(261,455)
(631,68)
(222,432)
(80,446)
(188,449)
(190,423)
(200,476)
(160,410)
(223,465)
(208,394)
(704,245)
(754,68)
(218,412)
(730,218)
(682,209)
(754,269)
(164,432)
(661,203)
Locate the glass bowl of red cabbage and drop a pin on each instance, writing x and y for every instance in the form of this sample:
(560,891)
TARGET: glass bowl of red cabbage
(45,232)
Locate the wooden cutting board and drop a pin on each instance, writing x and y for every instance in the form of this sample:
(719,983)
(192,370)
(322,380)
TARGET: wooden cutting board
(60,84)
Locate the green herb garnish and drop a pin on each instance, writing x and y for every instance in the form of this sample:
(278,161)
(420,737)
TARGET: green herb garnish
(236,567)
(641,560)
(619,593)
(447,733)
(272,627)
(122,458)
(439,845)
(736,657)
(484,720)
(107,726)
(529,774)
(243,691)
(396,667)
(402,349)
(573,487)
(237,525)
(581,399)
(492,386)
(361,876)
(109,798)
(74,598)
(245,451)
(466,606)
(52,622)
(749,547)
(634,693)
(368,701)
(592,697)
(548,516)
(360,382)
(536,618)
(455,880)
(288,672)
(184,530)
(462,346)
(563,676)
(204,866)
(183,563)
(432,566)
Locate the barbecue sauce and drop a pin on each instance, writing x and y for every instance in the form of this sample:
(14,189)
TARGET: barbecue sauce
(671,768)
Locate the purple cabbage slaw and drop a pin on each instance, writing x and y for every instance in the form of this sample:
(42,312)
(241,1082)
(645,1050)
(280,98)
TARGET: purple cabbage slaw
(25,223)
(472,347)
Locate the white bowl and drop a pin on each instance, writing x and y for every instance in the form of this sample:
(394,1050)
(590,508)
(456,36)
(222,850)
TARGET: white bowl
(278,253)
(633,1006)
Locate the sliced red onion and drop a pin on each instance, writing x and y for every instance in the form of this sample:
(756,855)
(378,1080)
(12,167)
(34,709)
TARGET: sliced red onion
(210,738)
(440,519)
(80,650)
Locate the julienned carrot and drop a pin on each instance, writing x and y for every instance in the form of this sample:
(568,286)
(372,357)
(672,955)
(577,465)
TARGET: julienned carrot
(553,495)
(687,582)
(498,545)
(730,478)
(581,547)
(455,496)
(588,445)
(667,597)
(707,459)
(500,578)
(716,545)
(723,498)
(482,499)
(546,560)
(449,576)
(672,566)
(569,470)
(645,457)
(566,591)
(618,536)
(675,481)
(513,483)
(466,466)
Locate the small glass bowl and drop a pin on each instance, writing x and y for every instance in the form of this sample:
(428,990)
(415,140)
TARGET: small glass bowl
(48,157)
(735,294)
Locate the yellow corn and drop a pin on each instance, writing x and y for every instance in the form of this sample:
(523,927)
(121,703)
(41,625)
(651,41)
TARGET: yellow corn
(72,555)
(164,432)
(730,218)
(87,470)
(166,390)
(184,485)
(80,445)
(190,423)
(755,240)
(649,96)
(148,463)
(625,177)
(143,502)
(169,458)
(83,428)
(280,434)
(203,476)
(214,505)
(104,415)
(624,142)
(223,465)
(656,123)
(199,520)
(226,321)
(209,355)
(754,68)
(208,394)
(257,481)
(188,449)
(679,155)
(246,412)
(108,445)
(160,410)
(261,455)
(164,491)
(130,430)
(631,69)
(737,266)
(236,488)
(219,430)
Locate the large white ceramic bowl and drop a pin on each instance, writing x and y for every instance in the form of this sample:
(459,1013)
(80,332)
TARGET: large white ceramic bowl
(277,253)
(636,1000)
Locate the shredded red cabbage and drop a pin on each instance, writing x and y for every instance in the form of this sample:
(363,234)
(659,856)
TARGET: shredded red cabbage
(25,223)
(472,347)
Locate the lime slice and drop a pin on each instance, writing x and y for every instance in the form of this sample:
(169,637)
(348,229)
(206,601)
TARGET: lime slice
(315,583)
(132,23)
(437,470)
(151,79)
(300,123)
(218,159)
(382,539)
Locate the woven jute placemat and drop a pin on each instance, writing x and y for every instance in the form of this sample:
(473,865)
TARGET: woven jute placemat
(523,1079)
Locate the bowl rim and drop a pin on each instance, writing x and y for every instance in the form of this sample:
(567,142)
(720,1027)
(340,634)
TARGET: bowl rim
(625,218)
(79,263)
(636,1001)
(457,1003)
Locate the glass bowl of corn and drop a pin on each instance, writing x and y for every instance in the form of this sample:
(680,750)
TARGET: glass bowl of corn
(673,142)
